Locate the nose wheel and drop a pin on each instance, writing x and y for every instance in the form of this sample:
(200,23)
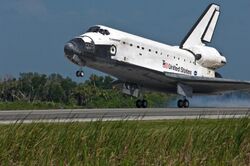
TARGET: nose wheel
(80,73)
(183,103)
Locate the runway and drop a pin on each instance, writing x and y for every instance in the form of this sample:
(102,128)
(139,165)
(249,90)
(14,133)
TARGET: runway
(27,116)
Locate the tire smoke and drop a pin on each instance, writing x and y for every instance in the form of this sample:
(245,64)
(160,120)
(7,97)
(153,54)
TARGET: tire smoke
(234,99)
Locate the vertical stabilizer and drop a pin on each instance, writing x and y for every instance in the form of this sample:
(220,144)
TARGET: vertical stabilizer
(202,31)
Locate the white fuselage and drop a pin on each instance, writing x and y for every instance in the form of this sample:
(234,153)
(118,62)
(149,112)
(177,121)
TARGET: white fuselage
(149,54)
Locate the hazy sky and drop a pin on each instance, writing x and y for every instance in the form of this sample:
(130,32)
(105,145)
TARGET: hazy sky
(33,32)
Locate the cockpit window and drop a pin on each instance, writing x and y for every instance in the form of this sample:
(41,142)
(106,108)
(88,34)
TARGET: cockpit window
(101,31)
(97,29)
(93,29)
(106,32)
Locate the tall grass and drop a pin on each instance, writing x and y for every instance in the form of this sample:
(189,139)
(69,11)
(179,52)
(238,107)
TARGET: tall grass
(182,142)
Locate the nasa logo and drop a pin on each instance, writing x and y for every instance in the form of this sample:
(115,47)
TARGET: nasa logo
(195,73)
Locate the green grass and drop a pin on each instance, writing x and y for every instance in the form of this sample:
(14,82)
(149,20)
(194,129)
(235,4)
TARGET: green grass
(181,142)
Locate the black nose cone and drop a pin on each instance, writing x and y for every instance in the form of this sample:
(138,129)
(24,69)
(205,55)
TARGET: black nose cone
(74,47)
(69,49)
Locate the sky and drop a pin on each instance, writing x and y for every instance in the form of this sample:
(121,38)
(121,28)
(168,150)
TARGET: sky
(33,32)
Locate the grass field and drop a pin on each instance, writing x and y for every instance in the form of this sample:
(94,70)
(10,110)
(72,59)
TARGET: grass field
(179,142)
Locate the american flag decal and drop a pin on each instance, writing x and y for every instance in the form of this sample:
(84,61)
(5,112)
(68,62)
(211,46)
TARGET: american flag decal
(165,65)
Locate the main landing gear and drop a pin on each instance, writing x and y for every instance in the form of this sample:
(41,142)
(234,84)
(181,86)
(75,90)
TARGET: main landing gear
(183,103)
(185,91)
(141,103)
(133,89)
(80,73)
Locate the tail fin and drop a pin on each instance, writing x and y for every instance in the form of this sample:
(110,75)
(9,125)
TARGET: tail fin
(202,31)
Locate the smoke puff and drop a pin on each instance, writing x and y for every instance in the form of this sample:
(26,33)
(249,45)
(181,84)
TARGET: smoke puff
(236,99)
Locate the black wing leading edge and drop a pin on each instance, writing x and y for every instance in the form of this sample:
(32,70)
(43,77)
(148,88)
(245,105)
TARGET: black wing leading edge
(205,85)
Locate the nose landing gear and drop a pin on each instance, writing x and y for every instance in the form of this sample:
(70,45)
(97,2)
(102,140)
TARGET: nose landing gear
(80,73)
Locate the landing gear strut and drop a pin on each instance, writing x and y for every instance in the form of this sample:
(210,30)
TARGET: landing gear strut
(183,103)
(80,73)
(141,103)
(135,90)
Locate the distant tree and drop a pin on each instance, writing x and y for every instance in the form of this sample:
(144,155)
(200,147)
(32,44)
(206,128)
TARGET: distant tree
(68,86)
(107,82)
(100,81)
(95,92)
(31,85)
(56,88)
(9,90)
(56,92)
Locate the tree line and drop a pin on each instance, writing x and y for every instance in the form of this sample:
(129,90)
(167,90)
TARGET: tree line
(95,92)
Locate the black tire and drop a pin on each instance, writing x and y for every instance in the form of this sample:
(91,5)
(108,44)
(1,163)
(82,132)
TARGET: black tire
(144,104)
(77,73)
(180,103)
(81,74)
(138,103)
(186,103)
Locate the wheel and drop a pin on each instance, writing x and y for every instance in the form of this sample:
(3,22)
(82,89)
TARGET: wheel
(185,103)
(79,73)
(180,103)
(144,103)
(141,103)
(138,103)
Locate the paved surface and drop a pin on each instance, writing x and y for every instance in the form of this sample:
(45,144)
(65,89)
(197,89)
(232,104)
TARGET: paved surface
(27,116)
